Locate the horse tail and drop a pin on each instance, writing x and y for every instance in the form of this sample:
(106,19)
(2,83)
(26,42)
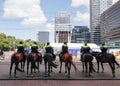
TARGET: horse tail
(50,62)
(73,64)
(92,68)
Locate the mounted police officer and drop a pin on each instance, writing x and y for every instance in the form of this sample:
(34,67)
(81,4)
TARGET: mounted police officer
(49,49)
(84,49)
(34,49)
(64,48)
(104,49)
(20,48)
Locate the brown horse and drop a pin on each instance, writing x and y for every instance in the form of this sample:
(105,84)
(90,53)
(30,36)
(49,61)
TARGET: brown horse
(67,58)
(16,58)
(32,59)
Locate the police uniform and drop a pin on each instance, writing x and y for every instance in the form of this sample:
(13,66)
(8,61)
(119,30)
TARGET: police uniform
(64,48)
(20,48)
(34,48)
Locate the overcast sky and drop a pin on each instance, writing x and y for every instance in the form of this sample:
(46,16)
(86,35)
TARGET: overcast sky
(24,18)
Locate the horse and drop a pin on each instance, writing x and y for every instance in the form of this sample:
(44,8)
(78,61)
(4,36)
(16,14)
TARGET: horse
(107,58)
(48,60)
(16,58)
(32,59)
(67,58)
(61,61)
(86,59)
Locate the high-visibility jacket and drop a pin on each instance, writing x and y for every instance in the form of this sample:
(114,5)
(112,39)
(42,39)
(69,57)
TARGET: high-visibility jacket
(34,48)
(20,48)
(64,48)
(49,49)
(86,49)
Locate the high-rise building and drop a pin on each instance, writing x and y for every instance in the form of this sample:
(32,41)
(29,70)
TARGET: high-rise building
(62,27)
(43,36)
(96,8)
(110,26)
(80,34)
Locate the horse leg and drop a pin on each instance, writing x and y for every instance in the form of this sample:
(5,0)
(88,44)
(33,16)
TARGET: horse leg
(60,66)
(112,66)
(69,67)
(66,67)
(51,69)
(32,67)
(49,66)
(90,68)
(102,67)
(27,68)
(83,66)
(45,69)
(98,67)
(23,66)
(16,68)
(10,69)
(113,69)
(86,66)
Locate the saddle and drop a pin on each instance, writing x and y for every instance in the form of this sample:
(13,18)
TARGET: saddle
(19,56)
(65,56)
(102,56)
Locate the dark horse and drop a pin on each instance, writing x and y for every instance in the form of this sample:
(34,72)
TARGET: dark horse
(67,58)
(32,59)
(87,61)
(107,58)
(48,60)
(16,58)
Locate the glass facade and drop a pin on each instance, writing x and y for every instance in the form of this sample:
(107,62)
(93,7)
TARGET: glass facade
(110,25)
(96,8)
(80,34)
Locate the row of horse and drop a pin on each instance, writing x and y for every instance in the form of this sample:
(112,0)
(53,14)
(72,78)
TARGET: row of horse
(35,59)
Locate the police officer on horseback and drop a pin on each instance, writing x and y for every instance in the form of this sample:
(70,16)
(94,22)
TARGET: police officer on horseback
(34,49)
(104,49)
(49,49)
(64,48)
(84,49)
(20,48)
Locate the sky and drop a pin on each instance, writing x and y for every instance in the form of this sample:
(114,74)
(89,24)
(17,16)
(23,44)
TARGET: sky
(24,18)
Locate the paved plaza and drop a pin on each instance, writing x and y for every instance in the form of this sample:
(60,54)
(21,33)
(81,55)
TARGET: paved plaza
(55,75)
(56,79)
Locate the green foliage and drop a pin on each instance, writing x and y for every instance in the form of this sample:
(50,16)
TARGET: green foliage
(10,42)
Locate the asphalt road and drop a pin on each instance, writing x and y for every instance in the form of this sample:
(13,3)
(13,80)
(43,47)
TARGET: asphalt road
(96,79)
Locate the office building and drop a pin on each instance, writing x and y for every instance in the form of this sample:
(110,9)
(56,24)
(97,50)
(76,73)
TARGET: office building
(43,36)
(110,25)
(96,8)
(80,34)
(62,27)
